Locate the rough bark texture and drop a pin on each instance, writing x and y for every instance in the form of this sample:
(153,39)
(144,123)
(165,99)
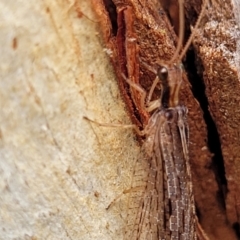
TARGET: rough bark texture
(58,171)
(217,47)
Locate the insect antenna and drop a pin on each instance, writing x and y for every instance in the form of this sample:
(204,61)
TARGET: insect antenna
(189,41)
(182,29)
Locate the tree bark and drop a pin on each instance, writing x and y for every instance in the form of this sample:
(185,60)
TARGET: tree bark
(59,172)
(217,48)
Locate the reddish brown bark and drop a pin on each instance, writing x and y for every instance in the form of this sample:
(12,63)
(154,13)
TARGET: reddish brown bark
(216,45)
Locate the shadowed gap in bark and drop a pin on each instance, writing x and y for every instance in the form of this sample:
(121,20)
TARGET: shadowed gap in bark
(213,141)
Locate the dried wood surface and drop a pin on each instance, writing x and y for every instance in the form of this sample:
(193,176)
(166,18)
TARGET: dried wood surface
(217,46)
(59,172)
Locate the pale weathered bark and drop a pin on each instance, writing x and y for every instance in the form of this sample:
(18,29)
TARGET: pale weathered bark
(59,172)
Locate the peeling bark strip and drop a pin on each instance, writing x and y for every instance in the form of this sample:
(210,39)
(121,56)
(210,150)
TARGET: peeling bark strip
(137,32)
(129,28)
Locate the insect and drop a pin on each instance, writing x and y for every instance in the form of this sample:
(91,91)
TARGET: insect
(167,210)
